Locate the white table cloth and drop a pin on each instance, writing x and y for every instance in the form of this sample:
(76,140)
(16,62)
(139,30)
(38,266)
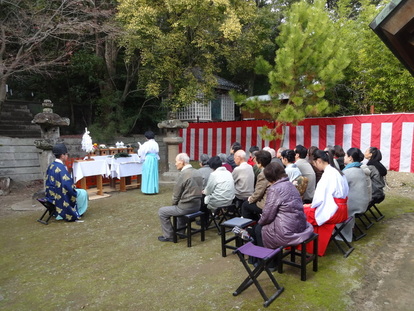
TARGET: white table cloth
(90,168)
(122,166)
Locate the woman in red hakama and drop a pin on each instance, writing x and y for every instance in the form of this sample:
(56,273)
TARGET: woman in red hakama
(329,205)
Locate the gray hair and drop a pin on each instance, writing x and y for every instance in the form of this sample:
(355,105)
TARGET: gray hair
(223,157)
(204,159)
(183,157)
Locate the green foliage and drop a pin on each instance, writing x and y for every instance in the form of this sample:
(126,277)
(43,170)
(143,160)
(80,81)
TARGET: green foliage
(311,58)
(375,76)
(181,43)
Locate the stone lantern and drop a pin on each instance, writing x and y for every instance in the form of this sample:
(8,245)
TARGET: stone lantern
(172,140)
(50,133)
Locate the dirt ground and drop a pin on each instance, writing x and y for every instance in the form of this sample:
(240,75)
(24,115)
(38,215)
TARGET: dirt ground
(387,284)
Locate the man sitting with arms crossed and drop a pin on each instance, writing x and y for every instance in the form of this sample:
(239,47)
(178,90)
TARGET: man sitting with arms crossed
(186,197)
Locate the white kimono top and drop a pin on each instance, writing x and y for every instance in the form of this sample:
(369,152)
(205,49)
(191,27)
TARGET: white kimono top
(150,146)
(331,185)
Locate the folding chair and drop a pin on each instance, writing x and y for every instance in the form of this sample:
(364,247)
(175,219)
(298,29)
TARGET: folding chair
(373,206)
(189,218)
(337,231)
(357,233)
(220,215)
(364,219)
(305,258)
(240,222)
(265,255)
(51,208)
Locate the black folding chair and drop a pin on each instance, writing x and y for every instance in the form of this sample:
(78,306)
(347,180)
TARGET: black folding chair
(50,208)
(220,215)
(371,208)
(265,256)
(337,232)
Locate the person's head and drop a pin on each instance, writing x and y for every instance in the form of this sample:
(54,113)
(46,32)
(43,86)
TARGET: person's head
(181,160)
(263,158)
(288,156)
(301,152)
(204,159)
(373,154)
(215,162)
(279,152)
(353,155)
(60,151)
(338,151)
(149,135)
(253,149)
(271,151)
(321,159)
(234,147)
(223,157)
(311,151)
(274,171)
(239,157)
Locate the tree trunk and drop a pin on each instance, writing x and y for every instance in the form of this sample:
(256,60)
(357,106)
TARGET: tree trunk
(3,81)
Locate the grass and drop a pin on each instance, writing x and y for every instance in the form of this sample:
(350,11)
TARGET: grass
(113,261)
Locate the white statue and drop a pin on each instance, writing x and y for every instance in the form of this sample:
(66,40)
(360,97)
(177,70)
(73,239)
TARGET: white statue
(87,145)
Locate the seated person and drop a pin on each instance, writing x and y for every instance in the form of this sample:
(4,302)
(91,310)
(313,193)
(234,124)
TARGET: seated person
(378,173)
(288,159)
(223,158)
(359,193)
(307,171)
(219,191)
(329,204)
(252,208)
(233,149)
(283,221)
(186,197)
(71,203)
(243,176)
(205,170)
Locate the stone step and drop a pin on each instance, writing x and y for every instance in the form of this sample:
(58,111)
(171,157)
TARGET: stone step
(12,116)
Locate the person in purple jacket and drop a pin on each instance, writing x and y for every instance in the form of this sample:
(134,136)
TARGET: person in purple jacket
(283,221)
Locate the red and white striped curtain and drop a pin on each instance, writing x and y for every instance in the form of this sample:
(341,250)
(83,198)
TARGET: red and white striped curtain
(393,134)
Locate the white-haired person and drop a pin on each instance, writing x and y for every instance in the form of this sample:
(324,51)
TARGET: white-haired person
(186,197)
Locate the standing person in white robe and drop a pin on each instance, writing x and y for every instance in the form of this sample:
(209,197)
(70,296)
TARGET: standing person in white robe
(329,204)
(148,153)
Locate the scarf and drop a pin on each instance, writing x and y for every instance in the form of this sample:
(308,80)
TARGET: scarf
(353,164)
(381,168)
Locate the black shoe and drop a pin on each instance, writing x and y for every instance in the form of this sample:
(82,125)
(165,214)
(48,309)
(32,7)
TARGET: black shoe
(163,239)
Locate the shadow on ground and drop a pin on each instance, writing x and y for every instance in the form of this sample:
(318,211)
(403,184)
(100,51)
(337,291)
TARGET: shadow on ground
(113,261)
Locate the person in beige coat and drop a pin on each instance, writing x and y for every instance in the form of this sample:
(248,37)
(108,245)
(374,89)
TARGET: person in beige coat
(252,208)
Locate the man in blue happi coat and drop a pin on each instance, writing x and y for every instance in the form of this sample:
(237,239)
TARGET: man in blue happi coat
(71,203)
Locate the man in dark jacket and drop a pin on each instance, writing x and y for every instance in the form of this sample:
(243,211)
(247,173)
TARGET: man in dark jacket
(186,197)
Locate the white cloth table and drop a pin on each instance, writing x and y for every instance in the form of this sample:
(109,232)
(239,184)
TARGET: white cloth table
(98,168)
(123,167)
(83,169)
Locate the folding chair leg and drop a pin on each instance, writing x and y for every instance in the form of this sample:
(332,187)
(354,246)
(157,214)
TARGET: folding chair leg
(252,279)
(380,215)
(351,248)
(361,233)
(367,223)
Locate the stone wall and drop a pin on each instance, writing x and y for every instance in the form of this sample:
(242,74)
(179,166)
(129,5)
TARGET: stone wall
(19,158)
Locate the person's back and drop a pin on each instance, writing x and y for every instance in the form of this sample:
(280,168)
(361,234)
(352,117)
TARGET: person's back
(220,186)
(307,171)
(205,170)
(187,190)
(243,176)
